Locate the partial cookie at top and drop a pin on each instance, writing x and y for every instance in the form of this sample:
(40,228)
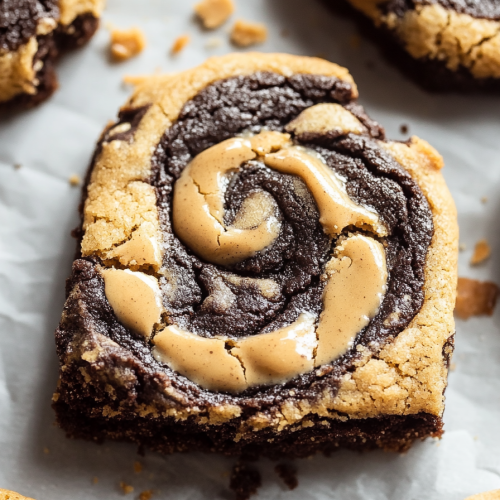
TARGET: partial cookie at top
(35,33)
(443,45)
(239,204)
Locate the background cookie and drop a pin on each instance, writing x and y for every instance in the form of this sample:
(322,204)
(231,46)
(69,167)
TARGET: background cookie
(443,45)
(33,33)
(148,378)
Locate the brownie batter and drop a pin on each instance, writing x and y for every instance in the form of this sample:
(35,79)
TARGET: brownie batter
(297,258)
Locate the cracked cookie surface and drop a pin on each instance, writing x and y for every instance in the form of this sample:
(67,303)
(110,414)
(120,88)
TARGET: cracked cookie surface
(396,368)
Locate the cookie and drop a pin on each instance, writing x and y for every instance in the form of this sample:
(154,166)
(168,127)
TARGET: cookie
(259,270)
(444,45)
(33,33)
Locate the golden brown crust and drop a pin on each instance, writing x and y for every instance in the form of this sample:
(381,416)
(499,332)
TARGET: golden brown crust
(434,32)
(11,495)
(408,375)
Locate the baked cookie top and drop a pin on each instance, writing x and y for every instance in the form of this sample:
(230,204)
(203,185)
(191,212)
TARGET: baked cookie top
(252,247)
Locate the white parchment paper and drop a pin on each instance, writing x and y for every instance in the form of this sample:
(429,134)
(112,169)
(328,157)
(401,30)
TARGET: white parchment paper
(38,210)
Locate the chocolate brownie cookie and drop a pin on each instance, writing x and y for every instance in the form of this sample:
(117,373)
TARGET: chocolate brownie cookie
(259,271)
(442,44)
(33,33)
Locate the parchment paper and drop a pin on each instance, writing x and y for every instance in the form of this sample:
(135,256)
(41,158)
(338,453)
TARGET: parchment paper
(38,210)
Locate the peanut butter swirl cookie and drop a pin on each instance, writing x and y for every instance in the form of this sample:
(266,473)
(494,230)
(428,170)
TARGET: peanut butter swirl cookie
(259,270)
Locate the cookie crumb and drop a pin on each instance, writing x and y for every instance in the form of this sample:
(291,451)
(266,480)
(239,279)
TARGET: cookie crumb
(75,180)
(46,451)
(17,166)
(95,480)
(214,13)
(475,298)
(146,495)
(355,41)
(126,488)
(404,129)
(484,199)
(453,367)
(180,43)
(482,251)
(288,473)
(137,467)
(462,247)
(284,33)
(246,33)
(213,43)
(126,43)
(245,481)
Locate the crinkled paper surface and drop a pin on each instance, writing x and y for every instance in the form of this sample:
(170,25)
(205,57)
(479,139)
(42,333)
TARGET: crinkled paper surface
(38,210)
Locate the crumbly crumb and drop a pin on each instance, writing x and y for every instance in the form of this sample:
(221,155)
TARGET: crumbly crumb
(95,480)
(246,33)
(482,251)
(462,247)
(126,488)
(288,473)
(126,43)
(484,199)
(404,129)
(453,367)
(17,166)
(180,43)
(475,298)
(137,467)
(75,180)
(146,495)
(214,13)
(46,451)
(245,481)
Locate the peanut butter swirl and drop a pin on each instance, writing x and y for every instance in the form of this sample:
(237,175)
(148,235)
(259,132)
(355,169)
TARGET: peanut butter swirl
(355,276)
(279,248)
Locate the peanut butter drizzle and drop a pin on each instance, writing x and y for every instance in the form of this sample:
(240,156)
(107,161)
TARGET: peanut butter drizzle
(135,298)
(336,209)
(262,359)
(198,207)
(325,118)
(357,277)
(204,361)
(271,358)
